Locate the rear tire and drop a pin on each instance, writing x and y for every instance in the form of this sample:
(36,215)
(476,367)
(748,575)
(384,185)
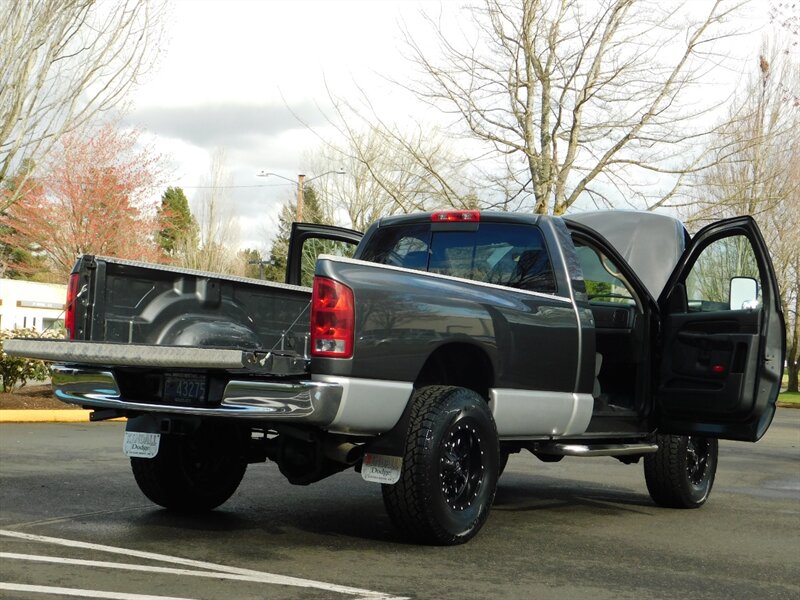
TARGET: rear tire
(681,474)
(503,461)
(450,468)
(195,472)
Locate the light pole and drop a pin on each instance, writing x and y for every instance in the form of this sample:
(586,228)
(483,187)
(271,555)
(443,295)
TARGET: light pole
(301,181)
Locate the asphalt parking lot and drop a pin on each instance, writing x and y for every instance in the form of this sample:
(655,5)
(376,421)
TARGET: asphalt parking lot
(74,524)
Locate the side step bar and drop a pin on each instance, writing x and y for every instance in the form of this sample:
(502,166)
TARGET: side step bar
(596,450)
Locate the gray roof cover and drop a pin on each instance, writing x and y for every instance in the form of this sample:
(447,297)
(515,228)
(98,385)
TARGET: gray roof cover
(650,243)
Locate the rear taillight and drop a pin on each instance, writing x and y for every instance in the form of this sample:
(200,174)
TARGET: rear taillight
(332,319)
(72,296)
(456,216)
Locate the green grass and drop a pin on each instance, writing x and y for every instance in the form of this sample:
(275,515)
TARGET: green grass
(789,397)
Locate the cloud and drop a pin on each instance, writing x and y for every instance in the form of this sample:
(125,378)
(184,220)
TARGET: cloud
(230,125)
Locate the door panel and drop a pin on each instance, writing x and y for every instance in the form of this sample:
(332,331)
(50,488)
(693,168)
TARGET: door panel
(307,241)
(707,363)
(719,369)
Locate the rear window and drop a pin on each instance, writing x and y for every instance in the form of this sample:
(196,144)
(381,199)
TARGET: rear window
(500,253)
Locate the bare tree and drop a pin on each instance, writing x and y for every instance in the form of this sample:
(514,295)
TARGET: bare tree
(383,176)
(388,169)
(579,99)
(760,176)
(215,246)
(61,63)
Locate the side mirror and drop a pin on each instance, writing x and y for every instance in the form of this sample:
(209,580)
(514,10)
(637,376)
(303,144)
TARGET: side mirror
(744,293)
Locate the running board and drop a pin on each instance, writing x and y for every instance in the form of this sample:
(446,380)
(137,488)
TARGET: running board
(596,450)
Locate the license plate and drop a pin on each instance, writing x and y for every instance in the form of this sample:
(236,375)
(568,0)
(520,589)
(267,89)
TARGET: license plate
(184,388)
(141,445)
(381,468)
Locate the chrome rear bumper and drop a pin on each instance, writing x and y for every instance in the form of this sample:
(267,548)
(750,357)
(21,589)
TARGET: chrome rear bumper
(309,402)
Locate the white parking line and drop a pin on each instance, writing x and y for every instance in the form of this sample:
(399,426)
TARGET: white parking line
(250,575)
(60,591)
(102,564)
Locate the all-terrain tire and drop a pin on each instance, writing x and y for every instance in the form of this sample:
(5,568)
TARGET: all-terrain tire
(450,467)
(195,472)
(681,474)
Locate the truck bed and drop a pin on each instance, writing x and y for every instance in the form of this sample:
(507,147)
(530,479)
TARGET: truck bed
(129,302)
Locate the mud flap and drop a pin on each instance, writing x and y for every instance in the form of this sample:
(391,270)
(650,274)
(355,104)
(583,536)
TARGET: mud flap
(142,437)
(383,456)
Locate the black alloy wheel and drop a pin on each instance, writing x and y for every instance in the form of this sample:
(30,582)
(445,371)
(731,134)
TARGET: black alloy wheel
(462,466)
(450,467)
(681,473)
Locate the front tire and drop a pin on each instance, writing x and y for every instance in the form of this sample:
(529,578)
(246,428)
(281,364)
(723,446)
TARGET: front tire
(450,467)
(681,473)
(195,472)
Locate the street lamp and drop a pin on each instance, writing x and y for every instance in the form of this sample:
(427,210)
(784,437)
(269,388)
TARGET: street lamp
(301,181)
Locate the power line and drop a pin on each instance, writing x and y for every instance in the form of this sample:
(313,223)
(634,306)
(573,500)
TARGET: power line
(227,187)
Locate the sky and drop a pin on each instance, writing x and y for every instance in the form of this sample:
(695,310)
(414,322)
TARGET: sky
(250,77)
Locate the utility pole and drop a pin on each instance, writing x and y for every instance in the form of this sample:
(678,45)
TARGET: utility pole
(300,181)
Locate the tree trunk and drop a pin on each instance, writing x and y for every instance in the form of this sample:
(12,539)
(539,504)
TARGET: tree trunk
(793,369)
(792,349)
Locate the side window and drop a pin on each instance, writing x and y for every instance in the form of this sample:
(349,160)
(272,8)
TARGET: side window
(604,282)
(724,277)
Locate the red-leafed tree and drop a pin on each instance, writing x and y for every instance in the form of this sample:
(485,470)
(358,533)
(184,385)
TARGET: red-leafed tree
(94,195)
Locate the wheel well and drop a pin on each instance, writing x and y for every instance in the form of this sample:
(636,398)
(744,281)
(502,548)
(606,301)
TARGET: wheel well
(462,365)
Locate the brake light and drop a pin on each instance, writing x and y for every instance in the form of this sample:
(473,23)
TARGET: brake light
(72,296)
(332,319)
(456,216)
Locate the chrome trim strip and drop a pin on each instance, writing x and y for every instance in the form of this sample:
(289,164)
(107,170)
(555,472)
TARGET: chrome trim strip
(309,402)
(494,286)
(521,414)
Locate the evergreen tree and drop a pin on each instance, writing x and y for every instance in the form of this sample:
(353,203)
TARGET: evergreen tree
(312,213)
(177,222)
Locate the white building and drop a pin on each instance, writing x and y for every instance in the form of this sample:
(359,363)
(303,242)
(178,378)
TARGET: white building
(28,304)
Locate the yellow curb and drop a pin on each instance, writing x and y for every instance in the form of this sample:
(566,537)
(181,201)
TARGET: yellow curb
(46,416)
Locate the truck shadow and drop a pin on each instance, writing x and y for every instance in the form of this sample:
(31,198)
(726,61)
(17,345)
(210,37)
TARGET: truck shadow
(520,494)
(294,520)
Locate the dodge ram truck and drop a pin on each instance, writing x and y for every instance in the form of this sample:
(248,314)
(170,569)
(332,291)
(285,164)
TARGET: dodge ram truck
(446,342)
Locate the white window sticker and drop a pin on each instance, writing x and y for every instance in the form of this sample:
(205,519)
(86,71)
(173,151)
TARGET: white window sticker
(141,445)
(381,468)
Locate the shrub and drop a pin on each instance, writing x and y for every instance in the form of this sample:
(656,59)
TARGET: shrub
(15,370)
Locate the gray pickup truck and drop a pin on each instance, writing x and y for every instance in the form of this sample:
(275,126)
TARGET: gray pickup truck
(444,343)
